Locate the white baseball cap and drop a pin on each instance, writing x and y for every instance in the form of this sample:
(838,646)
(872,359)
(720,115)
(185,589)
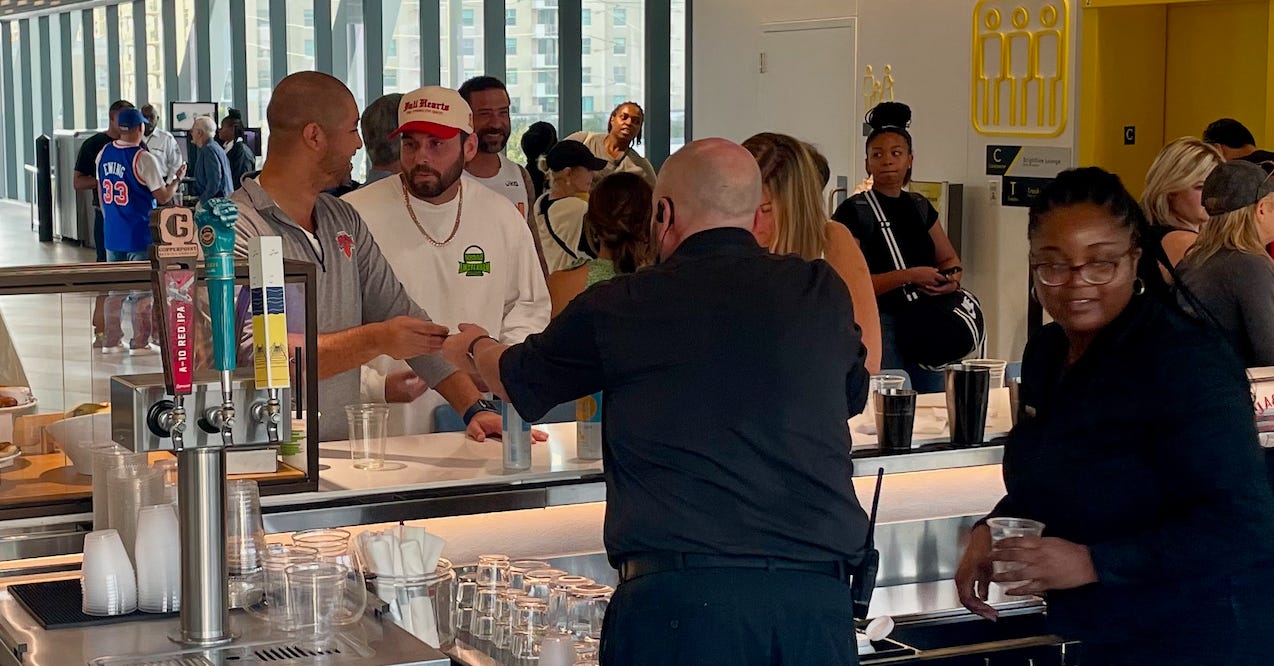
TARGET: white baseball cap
(434,110)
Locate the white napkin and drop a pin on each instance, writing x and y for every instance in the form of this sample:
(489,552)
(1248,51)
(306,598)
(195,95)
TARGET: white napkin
(424,625)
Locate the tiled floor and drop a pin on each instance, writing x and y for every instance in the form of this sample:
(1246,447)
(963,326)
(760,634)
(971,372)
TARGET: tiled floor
(48,337)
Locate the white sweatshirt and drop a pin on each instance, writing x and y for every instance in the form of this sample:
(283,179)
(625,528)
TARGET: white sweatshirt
(488,274)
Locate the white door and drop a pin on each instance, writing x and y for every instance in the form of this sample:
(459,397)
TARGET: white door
(809,90)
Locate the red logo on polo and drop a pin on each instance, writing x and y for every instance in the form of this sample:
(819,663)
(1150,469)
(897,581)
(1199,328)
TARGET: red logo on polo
(346,242)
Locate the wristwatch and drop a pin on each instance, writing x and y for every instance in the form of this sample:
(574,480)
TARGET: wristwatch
(482,405)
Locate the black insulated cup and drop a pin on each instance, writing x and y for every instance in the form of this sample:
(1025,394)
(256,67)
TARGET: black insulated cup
(968,389)
(895,418)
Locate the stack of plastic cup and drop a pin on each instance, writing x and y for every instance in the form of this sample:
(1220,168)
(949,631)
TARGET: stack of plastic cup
(108,585)
(105,460)
(158,560)
(245,542)
(130,488)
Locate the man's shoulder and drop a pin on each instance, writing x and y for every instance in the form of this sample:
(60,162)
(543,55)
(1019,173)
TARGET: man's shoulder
(487,202)
(372,194)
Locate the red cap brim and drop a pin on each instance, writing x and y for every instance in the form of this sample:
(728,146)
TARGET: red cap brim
(425,127)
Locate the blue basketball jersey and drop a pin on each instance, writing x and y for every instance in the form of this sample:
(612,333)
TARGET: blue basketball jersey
(126,202)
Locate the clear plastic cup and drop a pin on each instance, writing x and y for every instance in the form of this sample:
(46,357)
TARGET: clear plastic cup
(275,607)
(367,425)
(106,459)
(334,546)
(130,488)
(245,542)
(108,584)
(158,560)
(315,594)
(1006,528)
(995,366)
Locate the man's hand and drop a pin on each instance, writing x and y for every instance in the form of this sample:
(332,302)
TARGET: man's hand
(407,337)
(1048,563)
(456,348)
(404,386)
(489,424)
(973,575)
(925,276)
(181,171)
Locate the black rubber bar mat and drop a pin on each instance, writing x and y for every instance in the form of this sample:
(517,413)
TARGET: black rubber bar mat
(56,604)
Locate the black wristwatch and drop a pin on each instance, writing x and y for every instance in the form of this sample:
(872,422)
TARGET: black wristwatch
(482,405)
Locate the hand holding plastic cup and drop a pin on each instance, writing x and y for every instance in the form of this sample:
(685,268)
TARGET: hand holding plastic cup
(1008,528)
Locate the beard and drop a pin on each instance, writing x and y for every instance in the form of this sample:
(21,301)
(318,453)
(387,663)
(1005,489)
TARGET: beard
(493,140)
(443,180)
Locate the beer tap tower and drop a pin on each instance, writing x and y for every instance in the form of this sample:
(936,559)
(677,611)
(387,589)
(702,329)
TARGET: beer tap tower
(201,474)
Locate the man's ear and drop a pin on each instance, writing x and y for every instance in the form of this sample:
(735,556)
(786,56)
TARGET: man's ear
(762,228)
(470,148)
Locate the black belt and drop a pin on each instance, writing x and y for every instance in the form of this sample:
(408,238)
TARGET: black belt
(653,563)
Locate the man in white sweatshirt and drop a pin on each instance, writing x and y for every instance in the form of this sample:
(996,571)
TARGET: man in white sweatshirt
(462,252)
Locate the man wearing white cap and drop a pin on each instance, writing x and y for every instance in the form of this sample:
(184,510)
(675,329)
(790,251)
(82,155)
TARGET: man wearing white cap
(462,252)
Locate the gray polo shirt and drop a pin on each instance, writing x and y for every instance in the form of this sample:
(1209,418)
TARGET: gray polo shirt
(356,285)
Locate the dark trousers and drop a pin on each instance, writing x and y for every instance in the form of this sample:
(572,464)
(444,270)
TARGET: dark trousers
(99,234)
(740,617)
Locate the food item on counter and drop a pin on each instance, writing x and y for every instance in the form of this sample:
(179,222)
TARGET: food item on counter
(89,408)
(8,449)
(8,401)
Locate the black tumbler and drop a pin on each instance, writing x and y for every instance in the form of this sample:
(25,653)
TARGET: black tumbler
(968,389)
(895,418)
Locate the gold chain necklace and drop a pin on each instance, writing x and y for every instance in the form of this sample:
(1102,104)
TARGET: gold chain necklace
(454,229)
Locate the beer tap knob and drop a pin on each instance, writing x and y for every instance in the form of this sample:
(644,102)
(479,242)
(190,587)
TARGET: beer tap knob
(270,413)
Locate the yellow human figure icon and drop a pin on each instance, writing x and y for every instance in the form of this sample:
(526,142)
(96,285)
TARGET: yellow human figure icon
(1047,86)
(1021,18)
(887,85)
(987,87)
(869,88)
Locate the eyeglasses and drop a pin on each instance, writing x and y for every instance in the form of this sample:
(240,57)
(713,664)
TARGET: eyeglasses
(1096,273)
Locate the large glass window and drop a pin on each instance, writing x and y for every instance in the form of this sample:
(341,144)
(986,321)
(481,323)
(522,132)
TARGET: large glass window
(218,51)
(349,51)
(128,47)
(187,55)
(403,51)
(461,44)
(677,65)
(19,107)
(77,119)
(257,32)
(53,55)
(37,60)
(300,38)
(102,66)
(156,66)
(535,70)
(614,48)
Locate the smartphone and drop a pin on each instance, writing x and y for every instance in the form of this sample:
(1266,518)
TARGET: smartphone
(948,272)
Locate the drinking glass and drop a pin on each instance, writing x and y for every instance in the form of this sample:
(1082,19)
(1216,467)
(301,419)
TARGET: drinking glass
(485,608)
(275,606)
(493,571)
(518,569)
(334,546)
(367,435)
(586,608)
(538,582)
(559,594)
(315,594)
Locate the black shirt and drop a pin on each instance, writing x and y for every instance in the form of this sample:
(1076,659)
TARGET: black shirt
(1259,157)
(907,243)
(242,162)
(727,374)
(1146,451)
(86,159)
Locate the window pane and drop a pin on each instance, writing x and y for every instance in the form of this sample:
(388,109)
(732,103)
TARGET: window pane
(403,51)
(614,49)
(219,56)
(127,55)
(37,62)
(77,119)
(510,17)
(101,66)
(187,54)
(19,107)
(156,67)
(510,46)
(533,72)
(461,42)
(349,49)
(677,63)
(257,15)
(300,39)
(61,115)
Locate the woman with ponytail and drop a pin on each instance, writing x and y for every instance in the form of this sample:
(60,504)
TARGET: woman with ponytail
(793,221)
(617,226)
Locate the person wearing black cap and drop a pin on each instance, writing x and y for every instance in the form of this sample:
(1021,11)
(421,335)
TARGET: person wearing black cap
(1227,278)
(559,212)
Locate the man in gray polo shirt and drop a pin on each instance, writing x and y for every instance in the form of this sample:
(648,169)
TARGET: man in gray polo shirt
(363,311)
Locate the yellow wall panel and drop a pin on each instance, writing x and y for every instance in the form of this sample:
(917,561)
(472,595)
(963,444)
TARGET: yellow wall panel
(1217,66)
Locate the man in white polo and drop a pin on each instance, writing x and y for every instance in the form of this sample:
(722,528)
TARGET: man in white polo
(462,252)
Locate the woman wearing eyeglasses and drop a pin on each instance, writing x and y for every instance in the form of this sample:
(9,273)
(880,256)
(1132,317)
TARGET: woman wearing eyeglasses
(1227,277)
(1136,447)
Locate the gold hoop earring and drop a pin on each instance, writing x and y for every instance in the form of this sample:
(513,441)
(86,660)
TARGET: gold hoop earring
(1138,287)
